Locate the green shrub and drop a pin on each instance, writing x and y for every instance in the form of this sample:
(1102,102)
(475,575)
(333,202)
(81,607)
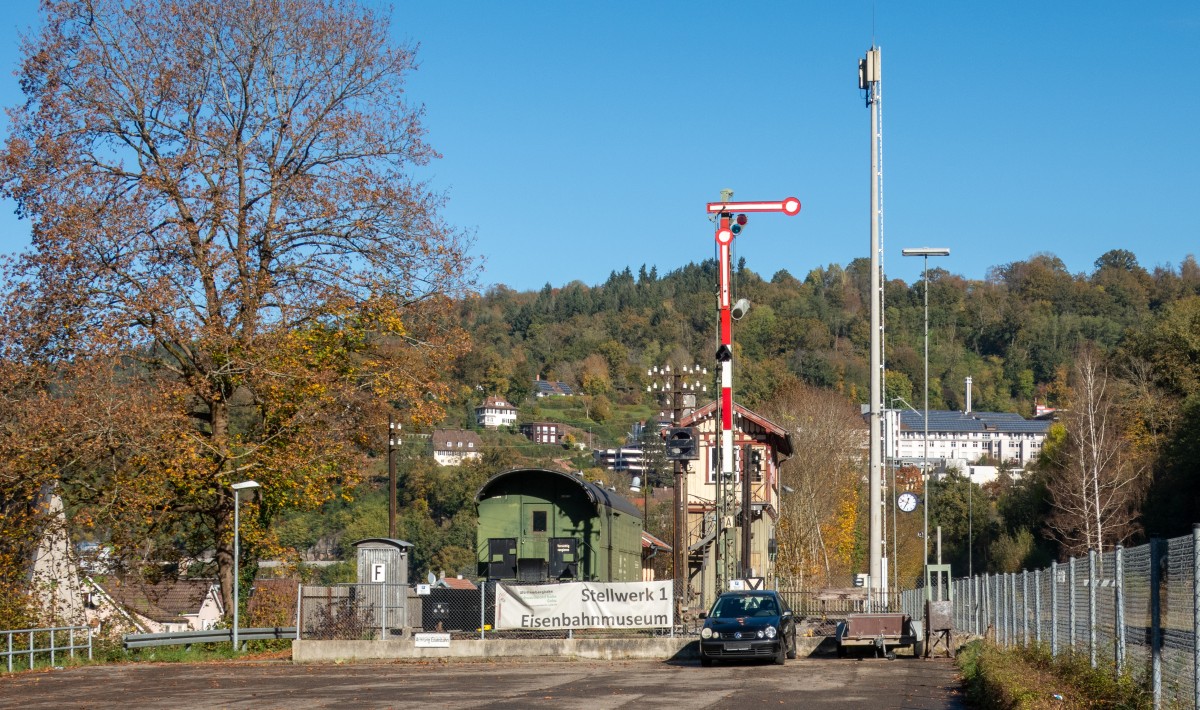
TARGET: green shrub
(1029,678)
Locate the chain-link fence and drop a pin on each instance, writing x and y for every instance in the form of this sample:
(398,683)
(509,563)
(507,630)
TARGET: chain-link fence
(375,611)
(1134,611)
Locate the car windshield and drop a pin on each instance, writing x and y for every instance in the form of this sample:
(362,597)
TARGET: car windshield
(738,606)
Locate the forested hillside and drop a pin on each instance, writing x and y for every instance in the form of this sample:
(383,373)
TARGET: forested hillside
(1015,332)
(1020,334)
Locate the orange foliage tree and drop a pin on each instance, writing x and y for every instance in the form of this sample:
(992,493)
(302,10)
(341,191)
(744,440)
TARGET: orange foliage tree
(233,274)
(820,514)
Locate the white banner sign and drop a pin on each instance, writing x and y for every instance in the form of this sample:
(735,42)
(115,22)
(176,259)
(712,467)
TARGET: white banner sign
(584,605)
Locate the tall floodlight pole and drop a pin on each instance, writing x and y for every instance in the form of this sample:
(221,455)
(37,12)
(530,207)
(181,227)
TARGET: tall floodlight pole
(729,225)
(237,491)
(926,252)
(868,80)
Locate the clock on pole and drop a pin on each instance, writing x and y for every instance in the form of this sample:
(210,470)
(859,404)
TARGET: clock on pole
(907,502)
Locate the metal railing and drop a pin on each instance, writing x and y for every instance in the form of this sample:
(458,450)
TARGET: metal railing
(1132,611)
(187,638)
(32,642)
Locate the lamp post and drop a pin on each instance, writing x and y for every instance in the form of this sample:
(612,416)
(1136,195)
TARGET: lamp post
(925,253)
(237,494)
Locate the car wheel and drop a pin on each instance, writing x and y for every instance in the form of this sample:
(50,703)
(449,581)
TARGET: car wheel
(792,648)
(705,661)
(781,656)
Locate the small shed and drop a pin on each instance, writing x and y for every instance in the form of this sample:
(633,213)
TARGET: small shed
(383,578)
(539,525)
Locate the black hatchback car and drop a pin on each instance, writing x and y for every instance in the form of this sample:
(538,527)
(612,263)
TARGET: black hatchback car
(750,624)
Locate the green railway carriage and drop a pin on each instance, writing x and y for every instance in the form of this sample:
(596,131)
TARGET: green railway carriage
(537,525)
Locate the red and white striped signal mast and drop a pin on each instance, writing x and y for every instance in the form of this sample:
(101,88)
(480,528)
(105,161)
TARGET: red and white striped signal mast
(731,217)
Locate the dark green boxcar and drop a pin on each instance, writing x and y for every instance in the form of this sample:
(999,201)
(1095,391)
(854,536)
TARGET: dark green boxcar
(537,525)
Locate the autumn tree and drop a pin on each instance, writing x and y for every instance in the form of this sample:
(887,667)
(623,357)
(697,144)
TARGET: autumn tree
(234,272)
(820,514)
(1096,483)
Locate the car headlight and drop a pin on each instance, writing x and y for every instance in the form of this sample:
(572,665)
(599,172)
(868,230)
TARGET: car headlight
(706,633)
(770,632)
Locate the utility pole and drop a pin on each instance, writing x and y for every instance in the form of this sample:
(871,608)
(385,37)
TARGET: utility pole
(728,226)
(393,446)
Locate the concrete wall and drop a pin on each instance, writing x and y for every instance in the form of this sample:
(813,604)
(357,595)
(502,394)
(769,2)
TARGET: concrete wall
(681,648)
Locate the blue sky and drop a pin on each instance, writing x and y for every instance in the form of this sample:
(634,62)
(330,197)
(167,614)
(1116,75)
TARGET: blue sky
(581,138)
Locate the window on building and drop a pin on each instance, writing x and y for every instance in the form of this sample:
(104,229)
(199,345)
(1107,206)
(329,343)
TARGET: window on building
(539,521)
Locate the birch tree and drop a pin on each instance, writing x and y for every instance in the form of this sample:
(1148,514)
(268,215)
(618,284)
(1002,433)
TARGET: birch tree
(1096,483)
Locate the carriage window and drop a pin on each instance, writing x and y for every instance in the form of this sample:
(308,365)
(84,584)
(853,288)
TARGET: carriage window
(539,521)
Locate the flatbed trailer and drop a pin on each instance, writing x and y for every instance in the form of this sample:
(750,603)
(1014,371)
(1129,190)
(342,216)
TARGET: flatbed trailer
(884,633)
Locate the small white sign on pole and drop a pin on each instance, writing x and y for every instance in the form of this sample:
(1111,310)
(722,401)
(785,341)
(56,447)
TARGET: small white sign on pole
(422,590)
(431,640)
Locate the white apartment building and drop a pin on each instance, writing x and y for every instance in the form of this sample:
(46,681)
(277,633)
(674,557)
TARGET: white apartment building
(960,439)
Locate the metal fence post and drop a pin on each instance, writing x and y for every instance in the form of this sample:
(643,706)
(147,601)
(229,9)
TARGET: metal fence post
(1012,609)
(1196,615)
(1092,607)
(89,643)
(974,620)
(1071,598)
(1025,607)
(1054,609)
(1156,621)
(1037,606)
(1010,601)
(1119,603)
(996,603)
(482,609)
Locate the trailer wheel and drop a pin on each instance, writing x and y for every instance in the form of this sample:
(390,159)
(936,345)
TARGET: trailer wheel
(841,651)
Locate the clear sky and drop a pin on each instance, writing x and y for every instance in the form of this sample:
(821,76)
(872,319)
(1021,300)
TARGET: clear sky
(581,138)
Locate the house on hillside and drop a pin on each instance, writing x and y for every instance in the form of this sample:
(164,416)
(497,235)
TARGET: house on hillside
(543,432)
(495,413)
(453,446)
(160,607)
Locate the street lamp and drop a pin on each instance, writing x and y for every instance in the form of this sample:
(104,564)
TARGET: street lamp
(237,493)
(925,253)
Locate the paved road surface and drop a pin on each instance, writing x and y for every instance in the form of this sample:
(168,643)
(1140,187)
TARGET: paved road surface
(587,685)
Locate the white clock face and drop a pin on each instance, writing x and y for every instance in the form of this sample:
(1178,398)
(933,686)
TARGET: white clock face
(907,502)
